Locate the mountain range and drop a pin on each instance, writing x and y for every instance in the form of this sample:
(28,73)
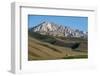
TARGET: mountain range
(53,29)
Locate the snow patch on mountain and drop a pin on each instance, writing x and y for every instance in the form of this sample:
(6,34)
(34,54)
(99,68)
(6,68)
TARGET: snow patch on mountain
(50,28)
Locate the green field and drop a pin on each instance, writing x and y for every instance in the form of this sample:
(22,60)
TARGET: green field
(45,47)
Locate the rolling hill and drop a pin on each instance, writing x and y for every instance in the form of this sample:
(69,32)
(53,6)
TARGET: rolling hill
(39,50)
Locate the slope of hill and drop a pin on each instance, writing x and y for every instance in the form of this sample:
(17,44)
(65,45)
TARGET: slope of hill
(67,42)
(38,50)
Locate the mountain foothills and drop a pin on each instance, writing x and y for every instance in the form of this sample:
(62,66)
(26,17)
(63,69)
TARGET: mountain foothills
(50,28)
(47,41)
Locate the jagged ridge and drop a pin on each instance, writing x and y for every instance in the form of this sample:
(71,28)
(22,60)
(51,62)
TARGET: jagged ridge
(50,28)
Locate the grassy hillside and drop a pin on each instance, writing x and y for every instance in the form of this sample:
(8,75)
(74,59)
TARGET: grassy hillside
(38,50)
(45,47)
(44,50)
(79,44)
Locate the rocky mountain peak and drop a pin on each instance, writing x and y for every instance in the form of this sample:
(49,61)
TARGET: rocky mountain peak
(50,28)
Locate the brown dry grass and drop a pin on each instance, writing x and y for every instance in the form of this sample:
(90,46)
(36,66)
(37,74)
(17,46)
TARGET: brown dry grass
(38,50)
